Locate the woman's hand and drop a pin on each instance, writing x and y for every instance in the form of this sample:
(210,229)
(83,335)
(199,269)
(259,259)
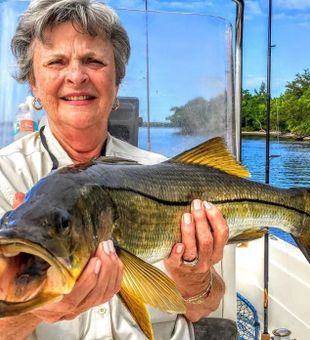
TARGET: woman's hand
(18,199)
(204,234)
(98,283)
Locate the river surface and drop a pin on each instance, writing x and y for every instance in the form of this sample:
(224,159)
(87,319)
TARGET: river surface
(289,160)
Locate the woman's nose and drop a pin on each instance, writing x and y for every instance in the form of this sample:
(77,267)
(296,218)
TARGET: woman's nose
(76,74)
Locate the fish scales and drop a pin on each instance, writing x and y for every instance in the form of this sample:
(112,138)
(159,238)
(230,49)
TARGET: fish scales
(210,183)
(244,203)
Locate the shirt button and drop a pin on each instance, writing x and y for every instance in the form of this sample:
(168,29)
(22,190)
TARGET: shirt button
(102,310)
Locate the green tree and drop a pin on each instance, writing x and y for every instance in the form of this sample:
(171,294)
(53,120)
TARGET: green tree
(299,85)
(294,105)
(254,109)
(290,112)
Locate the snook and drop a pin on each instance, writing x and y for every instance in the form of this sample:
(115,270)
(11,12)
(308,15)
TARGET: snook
(46,242)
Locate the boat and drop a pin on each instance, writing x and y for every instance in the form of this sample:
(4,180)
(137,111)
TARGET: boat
(186,62)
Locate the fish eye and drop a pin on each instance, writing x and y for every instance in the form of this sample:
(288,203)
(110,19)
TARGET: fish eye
(63,224)
(60,220)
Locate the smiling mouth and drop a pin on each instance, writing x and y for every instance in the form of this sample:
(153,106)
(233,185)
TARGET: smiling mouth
(78,98)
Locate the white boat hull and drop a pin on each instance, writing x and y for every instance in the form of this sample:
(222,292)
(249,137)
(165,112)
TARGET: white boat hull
(289,285)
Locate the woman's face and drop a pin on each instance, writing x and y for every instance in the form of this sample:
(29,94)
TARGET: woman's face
(74,77)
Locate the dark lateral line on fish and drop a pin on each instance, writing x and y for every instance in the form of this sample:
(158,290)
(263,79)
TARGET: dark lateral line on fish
(246,200)
(184,203)
(153,198)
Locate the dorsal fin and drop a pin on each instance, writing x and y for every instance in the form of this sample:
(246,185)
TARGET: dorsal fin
(213,153)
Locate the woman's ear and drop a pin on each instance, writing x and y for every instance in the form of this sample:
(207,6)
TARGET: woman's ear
(32,87)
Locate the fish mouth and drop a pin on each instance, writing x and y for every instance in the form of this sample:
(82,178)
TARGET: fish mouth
(30,276)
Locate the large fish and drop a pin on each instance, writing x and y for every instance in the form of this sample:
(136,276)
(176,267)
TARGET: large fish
(46,242)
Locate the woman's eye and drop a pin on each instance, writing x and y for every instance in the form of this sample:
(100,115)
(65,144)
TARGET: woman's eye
(94,61)
(56,62)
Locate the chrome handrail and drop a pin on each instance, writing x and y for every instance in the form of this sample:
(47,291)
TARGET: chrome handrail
(238,72)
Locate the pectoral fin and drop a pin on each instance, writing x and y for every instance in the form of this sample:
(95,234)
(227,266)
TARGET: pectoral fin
(145,284)
(138,311)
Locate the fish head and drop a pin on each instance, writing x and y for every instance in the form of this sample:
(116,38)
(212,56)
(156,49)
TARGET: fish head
(45,243)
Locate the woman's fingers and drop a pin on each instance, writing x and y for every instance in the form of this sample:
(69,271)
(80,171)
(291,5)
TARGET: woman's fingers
(188,237)
(109,277)
(97,284)
(174,260)
(18,199)
(204,236)
(220,231)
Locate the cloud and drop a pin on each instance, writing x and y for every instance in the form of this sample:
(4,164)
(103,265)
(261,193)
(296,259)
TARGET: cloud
(292,16)
(304,24)
(252,9)
(297,19)
(126,4)
(183,5)
(293,4)
(162,4)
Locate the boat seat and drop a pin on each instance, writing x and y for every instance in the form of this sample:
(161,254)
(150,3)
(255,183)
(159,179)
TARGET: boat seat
(215,329)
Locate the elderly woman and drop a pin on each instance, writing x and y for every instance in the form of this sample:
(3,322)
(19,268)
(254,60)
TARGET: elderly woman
(73,54)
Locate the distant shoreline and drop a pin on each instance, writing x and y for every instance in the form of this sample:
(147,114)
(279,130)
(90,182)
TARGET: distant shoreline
(276,134)
(273,134)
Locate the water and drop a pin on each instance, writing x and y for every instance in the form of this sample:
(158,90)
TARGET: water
(289,160)
(289,163)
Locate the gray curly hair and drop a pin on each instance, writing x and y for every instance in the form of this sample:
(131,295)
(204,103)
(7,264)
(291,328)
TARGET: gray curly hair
(90,16)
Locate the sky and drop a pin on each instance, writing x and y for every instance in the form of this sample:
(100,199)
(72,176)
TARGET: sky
(290,34)
(188,49)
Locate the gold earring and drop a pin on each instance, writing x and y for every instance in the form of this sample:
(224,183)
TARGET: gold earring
(34,104)
(116,104)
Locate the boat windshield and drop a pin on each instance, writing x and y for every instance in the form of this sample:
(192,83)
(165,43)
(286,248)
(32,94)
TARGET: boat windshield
(179,79)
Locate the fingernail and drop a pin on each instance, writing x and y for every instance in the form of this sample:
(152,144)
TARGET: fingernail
(197,204)
(97,266)
(187,218)
(111,246)
(179,248)
(207,205)
(105,246)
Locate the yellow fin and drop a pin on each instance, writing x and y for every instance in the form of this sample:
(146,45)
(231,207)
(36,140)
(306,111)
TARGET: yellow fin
(145,284)
(248,235)
(138,311)
(243,245)
(150,284)
(213,153)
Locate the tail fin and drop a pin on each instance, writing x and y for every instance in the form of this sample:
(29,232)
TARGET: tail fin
(303,243)
(303,237)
